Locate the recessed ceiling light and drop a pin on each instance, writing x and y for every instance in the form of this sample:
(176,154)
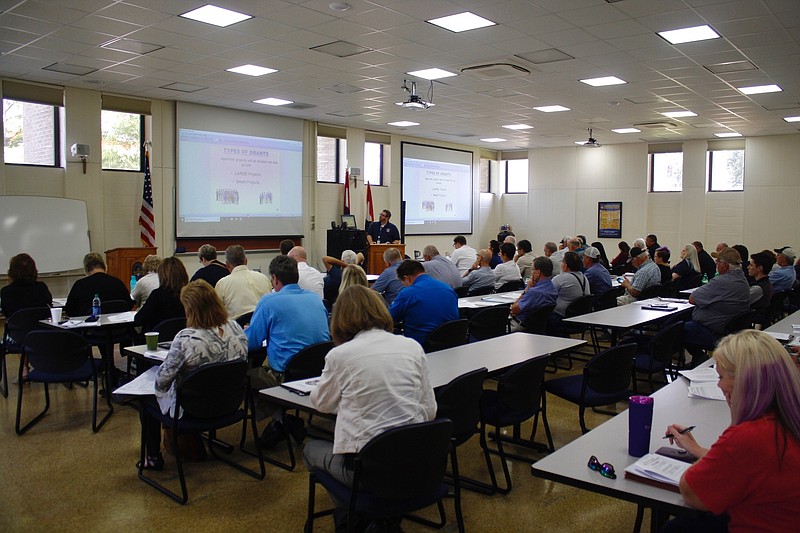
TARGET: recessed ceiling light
(679,114)
(689,35)
(218,16)
(462,22)
(493,140)
(403,123)
(759,89)
(272,101)
(791,119)
(518,127)
(339,6)
(580,142)
(728,134)
(552,108)
(431,73)
(627,130)
(602,82)
(252,70)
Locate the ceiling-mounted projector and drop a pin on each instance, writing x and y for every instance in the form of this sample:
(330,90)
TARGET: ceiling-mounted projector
(592,142)
(415,101)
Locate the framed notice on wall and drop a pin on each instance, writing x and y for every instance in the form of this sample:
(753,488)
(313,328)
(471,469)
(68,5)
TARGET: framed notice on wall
(609,220)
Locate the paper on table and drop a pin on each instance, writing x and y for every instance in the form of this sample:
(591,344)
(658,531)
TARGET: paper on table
(783,337)
(127,316)
(158,355)
(706,391)
(303,387)
(142,385)
(79,324)
(700,375)
(659,468)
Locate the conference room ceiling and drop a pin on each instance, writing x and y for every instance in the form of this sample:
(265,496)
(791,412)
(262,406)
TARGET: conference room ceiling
(111,39)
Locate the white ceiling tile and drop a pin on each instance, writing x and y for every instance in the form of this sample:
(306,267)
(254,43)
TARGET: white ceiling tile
(43,11)
(114,27)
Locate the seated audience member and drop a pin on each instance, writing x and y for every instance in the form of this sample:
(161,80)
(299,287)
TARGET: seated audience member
(148,282)
(574,245)
(715,304)
(333,277)
(353,275)
(480,275)
(707,265)
(164,302)
(571,284)
(463,256)
(603,257)
(287,320)
(598,275)
(761,289)
(720,246)
(25,289)
(623,256)
(662,262)
(311,279)
(744,253)
(494,247)
(647,275)
(212,270)
(210,337)
(107,287)
(761,384)
(686,272)
(440,268)
(539,292)
(241,290)
(387,283)
(286,245)
(782,277)
(651,243)
(511,239)
(373,380)
(550,251)
(424,304)
(508,270)
(524,258)
(639,243)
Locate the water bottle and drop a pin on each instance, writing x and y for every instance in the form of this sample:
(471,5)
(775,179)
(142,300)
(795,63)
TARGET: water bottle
(705,279)
(640,422)
(133,282)
(96,306)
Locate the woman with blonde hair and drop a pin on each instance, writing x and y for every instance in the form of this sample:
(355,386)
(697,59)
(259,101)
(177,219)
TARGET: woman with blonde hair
(687,269)
(149,282)
(353,275)
(749,477)
(373,380)
(209,337)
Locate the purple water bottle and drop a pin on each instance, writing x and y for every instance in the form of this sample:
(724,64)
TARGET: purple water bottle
(640,421)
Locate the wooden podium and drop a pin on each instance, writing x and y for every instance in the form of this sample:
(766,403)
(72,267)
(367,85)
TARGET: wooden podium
(375,264)
(120,261)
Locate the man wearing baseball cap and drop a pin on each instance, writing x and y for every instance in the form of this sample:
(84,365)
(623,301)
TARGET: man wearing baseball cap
(783,275)
(598,276)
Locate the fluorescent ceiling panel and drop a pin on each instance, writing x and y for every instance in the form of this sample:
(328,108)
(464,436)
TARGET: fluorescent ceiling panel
(218,16)
(431,73)
(403,123)
(604,81)
(791,119)
(679,114)
(627,130)
(518,127)
(272,101)
(689,35)
(252,70)
(552,108)
(493,140)
(462,22)
(728,134)
(759,89)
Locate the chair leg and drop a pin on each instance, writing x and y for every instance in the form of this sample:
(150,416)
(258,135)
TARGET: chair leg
(637,526)
(95,426)
(20,430)
(581,412)
(184,497)
(457,490)
(488,457)
(3,373)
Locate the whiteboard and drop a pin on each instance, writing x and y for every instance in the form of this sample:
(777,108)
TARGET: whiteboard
(54,231)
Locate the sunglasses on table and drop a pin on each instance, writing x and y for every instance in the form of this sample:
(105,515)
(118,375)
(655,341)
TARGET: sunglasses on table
(605,469)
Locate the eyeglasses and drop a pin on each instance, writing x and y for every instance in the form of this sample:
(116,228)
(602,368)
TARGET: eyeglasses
(605,469)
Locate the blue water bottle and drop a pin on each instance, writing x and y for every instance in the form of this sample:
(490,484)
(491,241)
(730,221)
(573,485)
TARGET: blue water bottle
(133,282)
(96,306)
(640,422)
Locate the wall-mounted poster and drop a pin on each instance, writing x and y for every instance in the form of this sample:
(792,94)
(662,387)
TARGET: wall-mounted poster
(609,220)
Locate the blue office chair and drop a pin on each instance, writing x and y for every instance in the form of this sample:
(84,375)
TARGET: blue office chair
(18,325)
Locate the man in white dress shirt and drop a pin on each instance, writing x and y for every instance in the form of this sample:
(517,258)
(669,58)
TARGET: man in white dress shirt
(311,279)
(463,257)
(508,269)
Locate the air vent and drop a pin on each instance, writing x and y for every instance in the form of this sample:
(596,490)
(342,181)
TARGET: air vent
(496,71)
(300,106)
(655,125)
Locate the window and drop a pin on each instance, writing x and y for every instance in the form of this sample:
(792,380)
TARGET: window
(666,172)
(331,159)
(373,163)
(31,133)
(485,176)
(122,140)
(517,176)
(725,170)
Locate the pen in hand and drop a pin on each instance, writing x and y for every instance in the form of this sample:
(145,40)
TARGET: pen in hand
(683,431)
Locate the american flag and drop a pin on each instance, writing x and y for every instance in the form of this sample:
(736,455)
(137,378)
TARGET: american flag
(370,209)
(346,209)
(147,223)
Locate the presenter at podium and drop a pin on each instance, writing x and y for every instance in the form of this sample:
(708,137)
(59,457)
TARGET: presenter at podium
(383,231)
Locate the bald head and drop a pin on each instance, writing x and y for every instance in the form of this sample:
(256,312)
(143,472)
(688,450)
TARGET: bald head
(298,253)
(485,256)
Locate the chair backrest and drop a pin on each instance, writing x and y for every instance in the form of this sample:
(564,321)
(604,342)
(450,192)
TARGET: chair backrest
(405,462)
(608,299)
(167,329)
(536,322)
(115,306)
(308,362)
(520,387)
(23,321)
(610,370)
(508,286)
(740,322)
(213,390)
(447,335)
(580,306)
(480,291)
(667,290)
(775,307)
(650,292)
(460,400)
(244,319)
(56,351)
(667,342)
(461,292)
(489,323)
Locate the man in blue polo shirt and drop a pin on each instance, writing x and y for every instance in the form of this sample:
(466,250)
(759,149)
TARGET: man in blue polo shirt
(783,275)
(539,293)
(387,283)
(424,303)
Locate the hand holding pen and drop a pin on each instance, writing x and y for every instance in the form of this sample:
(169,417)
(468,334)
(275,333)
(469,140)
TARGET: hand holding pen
(682,436)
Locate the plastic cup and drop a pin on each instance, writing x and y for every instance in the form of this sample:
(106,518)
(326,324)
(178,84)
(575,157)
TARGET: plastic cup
(152,340)
(55,314)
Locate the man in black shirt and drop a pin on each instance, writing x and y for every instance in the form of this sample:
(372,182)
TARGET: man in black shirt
(707,264)
(212,270)
(79,301)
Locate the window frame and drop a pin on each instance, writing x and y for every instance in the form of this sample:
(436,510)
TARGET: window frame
(57,150)
(380,165)
(710,169)
(488,174)
(507,191)
(651,160)
(142,133)
(337,162)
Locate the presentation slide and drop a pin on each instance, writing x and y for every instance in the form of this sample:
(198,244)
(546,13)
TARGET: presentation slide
(238,185)
(437,190)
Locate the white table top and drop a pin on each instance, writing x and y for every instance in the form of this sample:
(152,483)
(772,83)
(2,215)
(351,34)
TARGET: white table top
(444,365)
(488,300)
(785,325)
(689,291)
(105,320)
(628,316)
(609,442)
